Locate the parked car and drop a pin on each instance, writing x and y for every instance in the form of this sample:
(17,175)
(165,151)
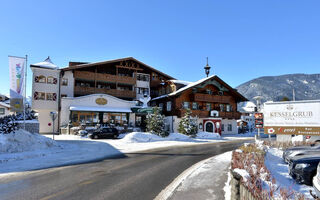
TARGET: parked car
(299,150)
(312,138)
(316,181)
(104,133)
(304,168)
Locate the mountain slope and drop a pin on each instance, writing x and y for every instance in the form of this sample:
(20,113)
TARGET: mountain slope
(274,88)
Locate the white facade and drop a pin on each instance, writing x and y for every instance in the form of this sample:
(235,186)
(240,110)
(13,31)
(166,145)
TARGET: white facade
(88,103)
(45,91)
(142,84)
(67,84)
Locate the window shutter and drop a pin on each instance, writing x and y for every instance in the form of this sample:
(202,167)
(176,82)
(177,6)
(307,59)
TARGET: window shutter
(55,81)
(54,96)
(36,79)
(36,95)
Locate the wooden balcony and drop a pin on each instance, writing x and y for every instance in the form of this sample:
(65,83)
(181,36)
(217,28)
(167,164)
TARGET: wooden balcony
(85,75)
(211,98)
(206,114)
(117,93)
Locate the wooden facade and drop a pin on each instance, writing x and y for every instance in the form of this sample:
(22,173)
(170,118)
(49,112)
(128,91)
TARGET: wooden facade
(212,94)
(116,77)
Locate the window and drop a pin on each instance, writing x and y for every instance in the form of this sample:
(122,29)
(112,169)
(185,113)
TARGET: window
(209,91)
(2,111)
(51,96)
(229,127)
(194,106)
(64,81)
(50,80)
(208,106)
(161,106)
(185,105)
(41,96)
(221,107)
(228,108)
(40,79)
(169,106)
(143,77)
(222,127)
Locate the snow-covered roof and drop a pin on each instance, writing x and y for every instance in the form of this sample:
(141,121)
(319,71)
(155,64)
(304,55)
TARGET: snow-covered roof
(248,106)
(180,82)
(47,63)
(100,109)
(4,105)
(185,87)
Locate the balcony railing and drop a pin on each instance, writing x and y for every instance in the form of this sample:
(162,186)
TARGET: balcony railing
(206,114)
(211,98)
(85,75)
(78,90)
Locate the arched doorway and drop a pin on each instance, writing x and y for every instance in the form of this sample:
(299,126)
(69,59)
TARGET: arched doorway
(209,127)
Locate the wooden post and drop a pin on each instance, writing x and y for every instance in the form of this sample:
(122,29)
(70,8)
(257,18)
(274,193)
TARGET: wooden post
(95,79)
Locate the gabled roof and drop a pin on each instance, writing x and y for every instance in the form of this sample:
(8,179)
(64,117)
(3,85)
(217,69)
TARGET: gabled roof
(4,105)
(191,85)
(47,63)
(113,61)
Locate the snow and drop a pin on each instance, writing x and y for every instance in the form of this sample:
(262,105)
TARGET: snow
(28,121)
(185,88)
(242,172)
(280,171)
(96,108)
(207,135)
(305,82)
(47,63)
(22,140)
(25,151)
(181,82)
(4,105)
(227,187)
(298,138)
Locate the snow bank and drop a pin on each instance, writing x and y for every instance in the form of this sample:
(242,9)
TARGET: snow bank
(22,141)
(242,172)
(136,137)
(207,135)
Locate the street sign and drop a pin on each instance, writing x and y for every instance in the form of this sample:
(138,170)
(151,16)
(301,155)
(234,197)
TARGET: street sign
(258,119)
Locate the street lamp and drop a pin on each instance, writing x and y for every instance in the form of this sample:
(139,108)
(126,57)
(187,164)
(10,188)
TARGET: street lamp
(207,68)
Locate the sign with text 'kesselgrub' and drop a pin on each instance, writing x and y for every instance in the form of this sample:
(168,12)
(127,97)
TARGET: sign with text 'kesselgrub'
(292,118)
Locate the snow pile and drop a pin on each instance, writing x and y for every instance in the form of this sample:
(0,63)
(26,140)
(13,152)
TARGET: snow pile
(298,138)
(22,141)
(280,171)
(136,137)
(242,172)
(207,135)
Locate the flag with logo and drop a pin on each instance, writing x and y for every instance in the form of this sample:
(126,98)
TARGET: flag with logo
(16,70)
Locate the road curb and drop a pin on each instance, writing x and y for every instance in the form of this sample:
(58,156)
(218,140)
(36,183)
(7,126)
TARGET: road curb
(169,190)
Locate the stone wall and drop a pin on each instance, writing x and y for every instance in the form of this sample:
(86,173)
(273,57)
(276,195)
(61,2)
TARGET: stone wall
(238,190)
(32,126)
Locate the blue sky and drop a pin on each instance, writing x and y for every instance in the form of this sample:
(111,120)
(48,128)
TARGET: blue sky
(243,39)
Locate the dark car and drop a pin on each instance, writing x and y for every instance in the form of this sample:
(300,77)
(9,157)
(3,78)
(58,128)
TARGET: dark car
(289,153)
(104,133)
(304,168)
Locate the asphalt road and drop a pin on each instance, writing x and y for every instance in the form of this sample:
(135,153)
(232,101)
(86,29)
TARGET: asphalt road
(138,176)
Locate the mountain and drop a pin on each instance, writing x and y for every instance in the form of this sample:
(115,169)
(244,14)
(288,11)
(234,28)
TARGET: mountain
(275,88)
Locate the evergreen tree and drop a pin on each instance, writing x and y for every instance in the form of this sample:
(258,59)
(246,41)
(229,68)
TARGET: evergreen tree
(155,123)
(188,125)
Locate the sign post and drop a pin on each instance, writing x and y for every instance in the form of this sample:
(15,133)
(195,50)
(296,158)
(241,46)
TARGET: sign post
(258,119)
(53,115)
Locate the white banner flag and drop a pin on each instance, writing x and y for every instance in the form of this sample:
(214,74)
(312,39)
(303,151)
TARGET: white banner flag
(16,70)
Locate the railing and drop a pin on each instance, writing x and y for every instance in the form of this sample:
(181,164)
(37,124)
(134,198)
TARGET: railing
(205,113)
(211,98)
(85,75)
(78,90)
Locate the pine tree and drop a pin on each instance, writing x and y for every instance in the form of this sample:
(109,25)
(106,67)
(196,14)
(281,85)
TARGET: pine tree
(155,123)
(188,125)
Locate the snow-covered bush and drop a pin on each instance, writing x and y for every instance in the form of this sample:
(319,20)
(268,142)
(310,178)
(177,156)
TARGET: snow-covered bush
(8,124)
(188,125)
(155,123)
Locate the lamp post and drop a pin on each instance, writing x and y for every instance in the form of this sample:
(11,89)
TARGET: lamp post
(207,68)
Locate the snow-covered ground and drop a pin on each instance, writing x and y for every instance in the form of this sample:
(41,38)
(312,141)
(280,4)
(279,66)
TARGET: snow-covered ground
(24,151)
(280,171)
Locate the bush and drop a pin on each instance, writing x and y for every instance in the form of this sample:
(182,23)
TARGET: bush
(155,123)
(188,125)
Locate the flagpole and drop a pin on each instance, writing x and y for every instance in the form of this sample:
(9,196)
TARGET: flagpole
(25,92)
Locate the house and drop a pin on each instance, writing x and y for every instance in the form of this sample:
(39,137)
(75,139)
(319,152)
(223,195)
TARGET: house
(90,93)
(212,101)
(4,109)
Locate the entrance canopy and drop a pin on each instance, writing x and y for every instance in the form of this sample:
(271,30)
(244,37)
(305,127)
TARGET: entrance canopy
(100,109)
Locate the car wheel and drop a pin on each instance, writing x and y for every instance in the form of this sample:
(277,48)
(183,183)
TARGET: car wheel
(95,137)
(115,136)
